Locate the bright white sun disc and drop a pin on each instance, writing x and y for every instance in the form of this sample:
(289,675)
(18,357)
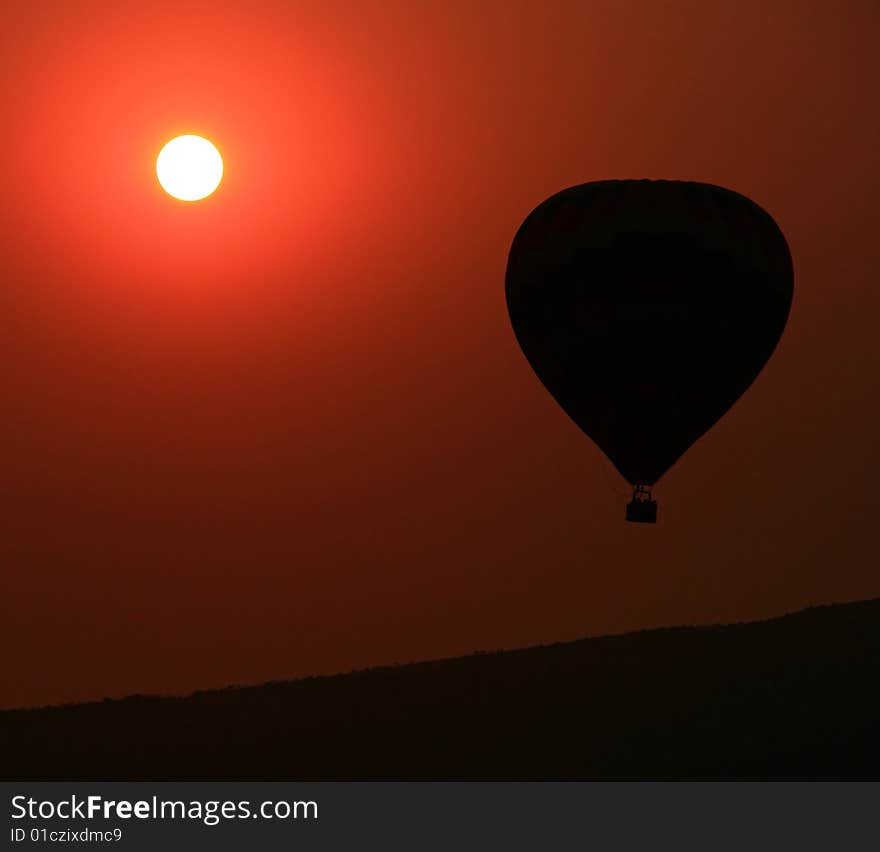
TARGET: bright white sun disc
(189,168)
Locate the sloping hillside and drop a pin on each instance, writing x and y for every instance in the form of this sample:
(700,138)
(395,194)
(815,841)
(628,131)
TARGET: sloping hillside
(793,697)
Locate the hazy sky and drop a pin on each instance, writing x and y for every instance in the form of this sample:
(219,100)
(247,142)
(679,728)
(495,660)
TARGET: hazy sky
(288,430)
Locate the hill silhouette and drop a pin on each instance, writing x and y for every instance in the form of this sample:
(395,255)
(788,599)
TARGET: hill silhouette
(794,697)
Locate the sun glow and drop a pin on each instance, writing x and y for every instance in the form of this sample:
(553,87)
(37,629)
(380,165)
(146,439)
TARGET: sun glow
(189,168)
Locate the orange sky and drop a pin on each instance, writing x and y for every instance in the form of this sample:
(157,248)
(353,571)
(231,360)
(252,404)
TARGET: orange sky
(288,430)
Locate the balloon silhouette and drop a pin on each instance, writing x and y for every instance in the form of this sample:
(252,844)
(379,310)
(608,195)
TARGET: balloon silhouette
(647,308)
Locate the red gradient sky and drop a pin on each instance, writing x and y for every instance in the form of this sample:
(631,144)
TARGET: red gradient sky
(288,430)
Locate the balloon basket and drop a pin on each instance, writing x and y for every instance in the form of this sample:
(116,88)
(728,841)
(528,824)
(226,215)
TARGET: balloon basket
(642,509)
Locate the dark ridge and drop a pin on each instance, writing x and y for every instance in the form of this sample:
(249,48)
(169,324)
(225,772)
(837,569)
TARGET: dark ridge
(794,697)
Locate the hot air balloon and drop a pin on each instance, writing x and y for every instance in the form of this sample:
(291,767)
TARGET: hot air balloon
(646,308)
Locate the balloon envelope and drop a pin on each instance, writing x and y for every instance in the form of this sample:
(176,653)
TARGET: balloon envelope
(647,308)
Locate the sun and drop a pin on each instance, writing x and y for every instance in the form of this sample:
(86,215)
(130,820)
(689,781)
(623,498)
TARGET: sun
(189,167)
